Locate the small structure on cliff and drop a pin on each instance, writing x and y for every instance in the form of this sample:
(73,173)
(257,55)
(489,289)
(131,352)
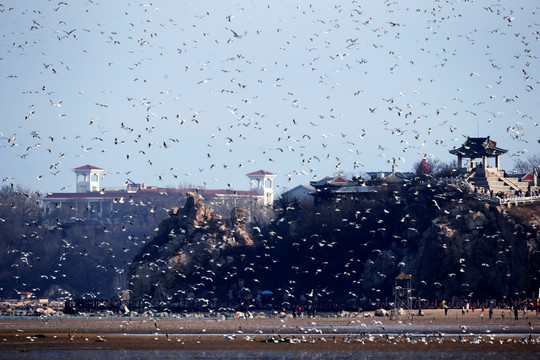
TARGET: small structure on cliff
(338,187)
(479,148)
(489,179)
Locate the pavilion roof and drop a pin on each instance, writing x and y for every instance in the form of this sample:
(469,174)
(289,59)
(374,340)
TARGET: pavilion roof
(479,146)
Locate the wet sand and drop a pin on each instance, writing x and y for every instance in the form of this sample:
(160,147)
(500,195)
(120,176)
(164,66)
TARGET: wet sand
(432,332)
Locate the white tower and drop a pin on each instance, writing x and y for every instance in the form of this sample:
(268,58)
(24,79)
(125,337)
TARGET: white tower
(263,183)
(88,178)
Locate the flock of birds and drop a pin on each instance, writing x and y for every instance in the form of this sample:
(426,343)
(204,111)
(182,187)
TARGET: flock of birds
(170,93)
(304,90)
(183,92)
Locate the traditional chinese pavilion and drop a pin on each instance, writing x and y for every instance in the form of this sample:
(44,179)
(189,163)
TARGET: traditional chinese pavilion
(479,148)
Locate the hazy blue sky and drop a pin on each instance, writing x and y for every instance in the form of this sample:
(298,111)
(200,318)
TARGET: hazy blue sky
(170,92)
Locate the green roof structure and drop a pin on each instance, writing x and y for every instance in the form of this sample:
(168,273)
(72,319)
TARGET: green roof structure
(478,147)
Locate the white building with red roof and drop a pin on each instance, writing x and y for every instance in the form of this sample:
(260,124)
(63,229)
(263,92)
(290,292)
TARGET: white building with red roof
(92,201)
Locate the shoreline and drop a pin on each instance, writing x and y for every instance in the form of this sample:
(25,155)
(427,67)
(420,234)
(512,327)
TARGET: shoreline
(432,332)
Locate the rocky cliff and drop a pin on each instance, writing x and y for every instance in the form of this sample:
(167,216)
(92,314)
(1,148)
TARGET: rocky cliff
(187,246)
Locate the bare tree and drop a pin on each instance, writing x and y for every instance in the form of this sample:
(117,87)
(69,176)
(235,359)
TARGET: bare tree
(442,169)
(526,166)
(19,206)
(438,168)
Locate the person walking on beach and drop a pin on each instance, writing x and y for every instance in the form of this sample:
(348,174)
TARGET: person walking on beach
(490,313)
(311,310)
(445,309)
(515,312)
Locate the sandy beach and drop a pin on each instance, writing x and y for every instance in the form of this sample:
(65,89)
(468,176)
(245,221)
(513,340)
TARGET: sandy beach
(433,332)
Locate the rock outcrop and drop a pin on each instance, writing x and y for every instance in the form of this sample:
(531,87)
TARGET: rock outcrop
(191,239)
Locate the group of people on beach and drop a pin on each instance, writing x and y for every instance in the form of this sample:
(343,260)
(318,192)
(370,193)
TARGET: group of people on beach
(465,308)
(299,311)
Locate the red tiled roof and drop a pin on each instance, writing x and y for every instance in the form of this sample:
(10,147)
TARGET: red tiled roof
(228,192)
(87,195)
(116,194)
(200,191)
(87,167)
(160,190)
(260,172)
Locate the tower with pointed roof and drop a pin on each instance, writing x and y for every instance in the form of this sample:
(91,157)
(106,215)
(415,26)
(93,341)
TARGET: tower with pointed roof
(87,178)
(263,183)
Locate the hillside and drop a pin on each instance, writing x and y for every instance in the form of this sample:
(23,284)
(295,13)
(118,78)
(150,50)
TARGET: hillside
(453,245)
